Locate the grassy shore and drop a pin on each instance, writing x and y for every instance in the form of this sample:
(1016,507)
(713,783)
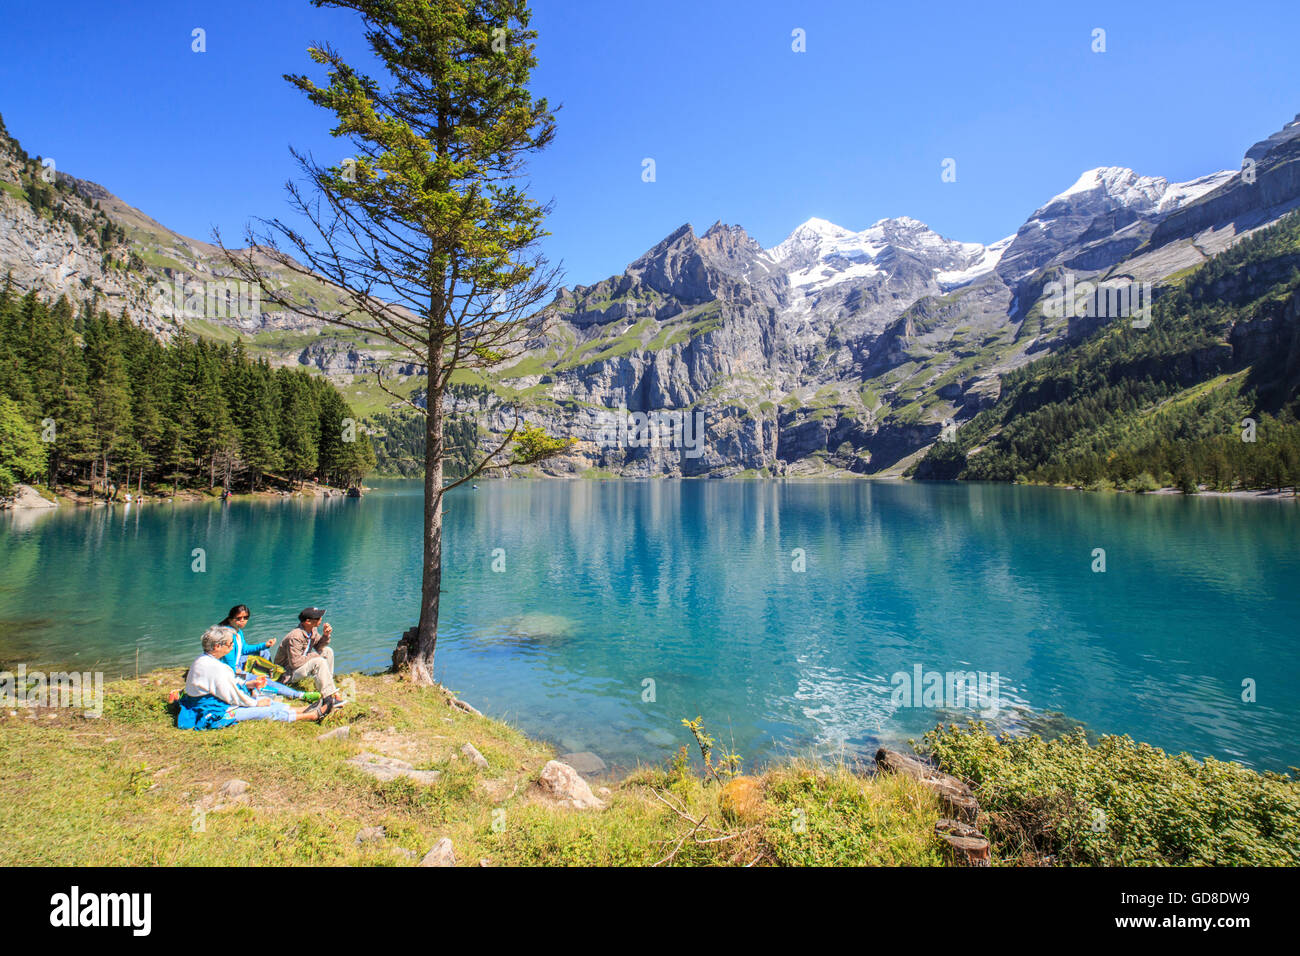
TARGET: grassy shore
(129,788)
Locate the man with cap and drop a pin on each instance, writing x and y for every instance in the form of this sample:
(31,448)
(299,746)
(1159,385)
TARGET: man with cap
(305,652)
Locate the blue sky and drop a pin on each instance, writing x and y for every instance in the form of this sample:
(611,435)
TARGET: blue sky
(741,128)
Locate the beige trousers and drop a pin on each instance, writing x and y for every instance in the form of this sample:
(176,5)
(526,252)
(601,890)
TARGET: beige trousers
(321,668)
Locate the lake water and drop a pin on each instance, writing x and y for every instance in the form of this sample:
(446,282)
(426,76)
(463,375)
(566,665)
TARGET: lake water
(609,585)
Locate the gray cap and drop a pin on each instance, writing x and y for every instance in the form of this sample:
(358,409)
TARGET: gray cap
(311,613)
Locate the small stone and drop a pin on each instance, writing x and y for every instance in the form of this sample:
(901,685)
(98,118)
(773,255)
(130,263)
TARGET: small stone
(367,757)
(232,788)
(468,708)
(476,758)
(385,769)
(338,733)
(369,835)
(441,854)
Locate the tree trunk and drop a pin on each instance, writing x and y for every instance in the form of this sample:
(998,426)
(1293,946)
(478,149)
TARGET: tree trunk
(421,662)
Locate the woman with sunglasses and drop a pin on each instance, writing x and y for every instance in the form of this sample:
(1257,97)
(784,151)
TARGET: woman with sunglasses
(237,620)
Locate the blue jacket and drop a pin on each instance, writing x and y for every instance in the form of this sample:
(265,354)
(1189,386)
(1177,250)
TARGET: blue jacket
(202,713)
(238,651)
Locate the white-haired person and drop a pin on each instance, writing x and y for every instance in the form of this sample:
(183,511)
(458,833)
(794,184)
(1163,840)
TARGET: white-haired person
(213,697)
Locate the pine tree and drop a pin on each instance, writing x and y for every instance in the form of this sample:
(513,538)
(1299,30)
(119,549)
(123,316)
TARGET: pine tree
(22,456)
(110,395)
(259,439)
(433,212)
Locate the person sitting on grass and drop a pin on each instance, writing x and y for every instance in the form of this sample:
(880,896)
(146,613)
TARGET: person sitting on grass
(213,697)
(304,653)
(237,620)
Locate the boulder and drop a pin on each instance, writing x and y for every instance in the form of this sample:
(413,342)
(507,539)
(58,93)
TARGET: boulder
(958,798)
(442,854)
(370,835)
(586,762)
(27,497)
(561,784)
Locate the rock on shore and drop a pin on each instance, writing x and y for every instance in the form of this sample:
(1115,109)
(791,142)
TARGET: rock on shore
(25,496)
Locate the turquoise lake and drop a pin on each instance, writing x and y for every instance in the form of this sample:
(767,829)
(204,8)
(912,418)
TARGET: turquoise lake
(691,585)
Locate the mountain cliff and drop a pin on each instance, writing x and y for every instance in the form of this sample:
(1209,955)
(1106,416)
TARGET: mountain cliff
(832,351)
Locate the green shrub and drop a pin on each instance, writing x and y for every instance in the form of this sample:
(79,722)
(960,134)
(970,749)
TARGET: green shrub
(1121,803)
(1142,483)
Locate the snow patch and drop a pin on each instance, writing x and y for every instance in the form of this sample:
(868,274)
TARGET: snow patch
(985,263)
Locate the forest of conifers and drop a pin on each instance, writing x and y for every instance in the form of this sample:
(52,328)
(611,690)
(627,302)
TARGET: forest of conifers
(95,401)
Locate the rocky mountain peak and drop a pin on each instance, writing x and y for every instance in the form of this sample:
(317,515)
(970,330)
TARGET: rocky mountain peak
(692,268)
(1286,134)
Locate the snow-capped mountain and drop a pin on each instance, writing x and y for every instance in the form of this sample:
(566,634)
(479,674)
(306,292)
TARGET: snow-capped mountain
(833,349)
(819,254)
(1102,206)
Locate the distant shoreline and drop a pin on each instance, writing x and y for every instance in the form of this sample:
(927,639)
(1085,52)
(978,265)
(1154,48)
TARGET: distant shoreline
(25,497)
